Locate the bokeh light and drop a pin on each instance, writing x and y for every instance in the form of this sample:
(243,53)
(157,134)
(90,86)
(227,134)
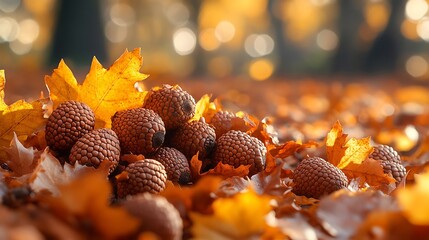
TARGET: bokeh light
(261,69)
(9,6)
(258,45)
(9,29)
(208,40)
(28,31)
(416,66)
(115,33)
(184,41)
(177,13)
(327,40)
(224,31)
(423,29)
(416,9)
(122,14)
(20,48)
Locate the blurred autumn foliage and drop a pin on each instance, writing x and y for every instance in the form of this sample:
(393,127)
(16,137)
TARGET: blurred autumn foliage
(43,197)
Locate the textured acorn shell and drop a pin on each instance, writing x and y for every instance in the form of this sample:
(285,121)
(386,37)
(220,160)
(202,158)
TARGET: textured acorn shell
(140,130)
(385,153)
(96,146)
(315,177)
(67,123)
(396,170)
(156,215)
(175,163)
(174,105)
(237,148)
(146,175)
(193,137)
(222,122)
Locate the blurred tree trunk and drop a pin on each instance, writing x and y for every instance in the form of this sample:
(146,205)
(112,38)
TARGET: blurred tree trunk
(198,54)
(347,57)
(288,54)
(386,50)
(78,34)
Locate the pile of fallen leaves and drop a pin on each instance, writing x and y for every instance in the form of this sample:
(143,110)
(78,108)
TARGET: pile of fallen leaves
(43,197)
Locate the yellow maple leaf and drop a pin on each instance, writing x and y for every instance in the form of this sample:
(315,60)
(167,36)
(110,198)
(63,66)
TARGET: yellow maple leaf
(201,107)
(104,90)
(241,217)
(2,83)
(413,200)
(342,152)
(21,117)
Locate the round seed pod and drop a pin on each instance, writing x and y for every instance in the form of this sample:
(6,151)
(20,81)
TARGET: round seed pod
(142,176)
(140,130)
(390,161)
(396,170)
(221,122)
(96,146)
(194,137)
(175,163)
(174,105)
(67,123)
(385,153)
(315,177)
(156,215)
(238,148)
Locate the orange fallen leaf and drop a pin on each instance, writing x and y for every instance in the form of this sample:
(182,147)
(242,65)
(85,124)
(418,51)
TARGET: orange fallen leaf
(87,199)
(104,90)
(204,108)
(369,171)
(413,200)
(3,105)
(289,148)
(335,142)
(242,216)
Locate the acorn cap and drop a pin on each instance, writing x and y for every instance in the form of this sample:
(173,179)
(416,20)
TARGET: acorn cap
(315,177)
(96,146)
(175,163)
(221,122)
(385,153)
(156,215)
(146,175)
(174,105)
(67,123)
(238,148)
(140,130)
(193,137)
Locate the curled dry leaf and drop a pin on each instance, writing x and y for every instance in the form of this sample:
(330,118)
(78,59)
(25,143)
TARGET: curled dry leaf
(242,216)
(221,169)
(105,91)
(369,171)
(21,160)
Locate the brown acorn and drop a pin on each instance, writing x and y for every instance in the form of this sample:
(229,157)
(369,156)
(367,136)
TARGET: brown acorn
(156,215)
(175,163)
(390,160)
(174,105)
(140,130)
(146,175)
(67,123)
(193,137)
(222,122)
(237,148)
(315,177)
(96,146)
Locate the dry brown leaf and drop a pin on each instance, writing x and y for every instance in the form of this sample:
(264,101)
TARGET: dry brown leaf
(104,90)
(21,160)
(290,147)
(341,213)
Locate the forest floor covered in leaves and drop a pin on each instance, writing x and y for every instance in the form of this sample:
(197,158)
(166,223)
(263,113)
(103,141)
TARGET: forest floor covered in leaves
(341,121)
